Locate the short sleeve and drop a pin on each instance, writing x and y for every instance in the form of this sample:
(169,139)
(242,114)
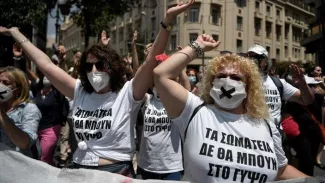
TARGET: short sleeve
(129,88)
(282,159)
(183,119)
(77,90)
(288,89)
(30,120)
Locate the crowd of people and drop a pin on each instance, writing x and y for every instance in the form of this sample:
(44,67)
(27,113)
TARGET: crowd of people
(233,121)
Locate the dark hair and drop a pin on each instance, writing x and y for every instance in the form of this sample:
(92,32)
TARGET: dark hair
(196,74)
(113,64)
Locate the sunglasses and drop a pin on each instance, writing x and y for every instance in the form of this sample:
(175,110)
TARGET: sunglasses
(229,52)
(99,66)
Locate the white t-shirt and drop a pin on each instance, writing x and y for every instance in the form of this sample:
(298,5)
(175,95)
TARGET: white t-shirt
(105,122)
(273,98)
(160,150)
(224,147)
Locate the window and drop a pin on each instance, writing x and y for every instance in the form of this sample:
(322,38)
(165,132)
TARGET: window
(278,14)
(268,28)
(215,37)
(215,14)
(194,15)
(257,6)
(278,54)
(286,51)
(240,3)
(257,24)
(153,23)
(239,46)
(173,42)
(268,10)
(286,32)
(193,36)
(268,50)
(239,23)
(278,32)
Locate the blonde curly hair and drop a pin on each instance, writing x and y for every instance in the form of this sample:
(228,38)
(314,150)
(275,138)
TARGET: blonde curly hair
(255,101)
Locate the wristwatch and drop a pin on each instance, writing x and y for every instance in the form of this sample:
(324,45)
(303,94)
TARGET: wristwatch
(166,27)
(196,47)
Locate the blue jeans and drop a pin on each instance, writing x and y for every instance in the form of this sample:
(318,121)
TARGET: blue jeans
(165,176)
(123,168)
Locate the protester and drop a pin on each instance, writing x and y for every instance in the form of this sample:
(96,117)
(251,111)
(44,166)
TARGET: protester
(105,107)
(160,149)
(19,117)
(194,79)
(320,89)
(308,138)
(234,108)
(278,90)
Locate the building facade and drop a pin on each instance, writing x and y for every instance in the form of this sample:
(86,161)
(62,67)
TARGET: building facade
(72,37)
(314,40)
(277,25)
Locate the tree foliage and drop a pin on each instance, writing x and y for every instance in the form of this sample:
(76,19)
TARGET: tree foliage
(22,12)
(94,16)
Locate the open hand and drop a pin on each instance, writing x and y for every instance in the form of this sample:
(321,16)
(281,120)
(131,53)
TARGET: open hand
(17,50)
(207,43)
(176,10)
(105,40)
(298,77)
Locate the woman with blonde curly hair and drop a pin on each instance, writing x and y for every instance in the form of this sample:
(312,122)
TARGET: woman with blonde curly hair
(226,133)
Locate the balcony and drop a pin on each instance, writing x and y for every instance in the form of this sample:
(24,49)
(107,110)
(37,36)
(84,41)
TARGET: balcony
(312,36)
(288,19)
(301,5)
(258,14)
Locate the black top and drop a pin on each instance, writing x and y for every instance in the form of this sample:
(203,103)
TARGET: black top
(303,118)
(49,106)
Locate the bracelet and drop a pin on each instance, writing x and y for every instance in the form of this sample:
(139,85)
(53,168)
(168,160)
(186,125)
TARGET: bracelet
(186,55)
(194,45)
(22,41)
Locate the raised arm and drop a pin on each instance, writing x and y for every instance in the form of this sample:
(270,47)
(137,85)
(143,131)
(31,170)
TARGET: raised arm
(304,95)
(183,78)
(143,79)
(172,94)
(135,59)
(60,79)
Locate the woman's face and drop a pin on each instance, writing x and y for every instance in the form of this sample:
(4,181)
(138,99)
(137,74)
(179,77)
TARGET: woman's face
(317,72)
(191,73)
(232,72)
(93,64)
(5,80)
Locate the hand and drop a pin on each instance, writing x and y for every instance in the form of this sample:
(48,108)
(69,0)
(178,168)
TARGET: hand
(135,36)
(207,43)
(176,10)
(104,38)
(7,32)
(179,47)
(298,77)
(61,52)
(17,50)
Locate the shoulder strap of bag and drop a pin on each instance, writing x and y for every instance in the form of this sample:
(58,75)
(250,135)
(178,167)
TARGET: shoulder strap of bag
(269,127)
(278,84)
(193,114)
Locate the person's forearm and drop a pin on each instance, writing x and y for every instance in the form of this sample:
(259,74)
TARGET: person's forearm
(176,63)
(289,172)
(20,138)
(31,75)
(306,96)
(161,41)
(183,80)
(135,59)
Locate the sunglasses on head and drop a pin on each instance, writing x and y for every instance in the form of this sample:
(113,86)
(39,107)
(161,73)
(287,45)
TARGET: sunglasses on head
(229,52)
(99,66)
